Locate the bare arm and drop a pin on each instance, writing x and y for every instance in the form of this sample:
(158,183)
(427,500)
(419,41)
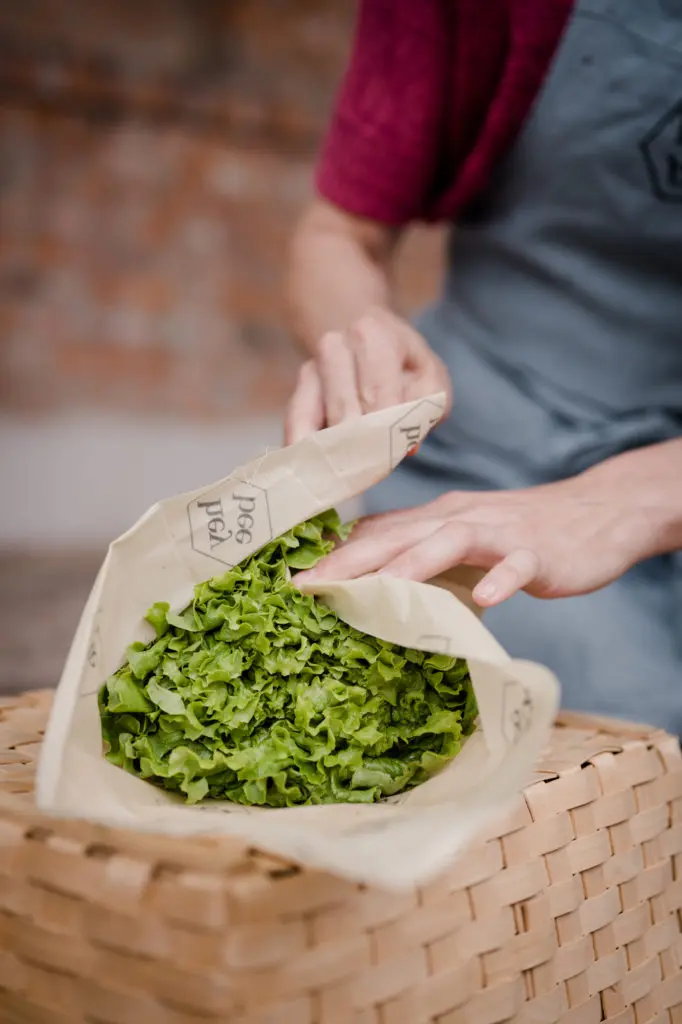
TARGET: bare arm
(339,269)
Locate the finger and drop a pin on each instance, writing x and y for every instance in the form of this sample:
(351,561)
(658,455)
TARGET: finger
(376,525)
(336,367)
(413,347)
(305,412)
(416,355)
(378,364)
(513,573)
(379,524)
(450,545)
(428,379)
(370,553)
(423,373)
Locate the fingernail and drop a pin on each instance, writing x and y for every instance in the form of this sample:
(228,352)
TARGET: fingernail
(485,591)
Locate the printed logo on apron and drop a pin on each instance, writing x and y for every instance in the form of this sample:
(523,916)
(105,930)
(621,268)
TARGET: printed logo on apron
(673,8)
(662,151)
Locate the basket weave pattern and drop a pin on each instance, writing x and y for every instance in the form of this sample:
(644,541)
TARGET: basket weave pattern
(570,910)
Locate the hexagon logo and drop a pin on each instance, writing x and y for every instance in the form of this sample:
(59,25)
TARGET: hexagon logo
(517,710)
(662,152)
(230,523)
(409,431)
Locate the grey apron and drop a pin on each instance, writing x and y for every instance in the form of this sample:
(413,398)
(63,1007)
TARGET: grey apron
(561,324)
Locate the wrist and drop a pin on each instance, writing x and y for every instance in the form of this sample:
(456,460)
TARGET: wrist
(645,487)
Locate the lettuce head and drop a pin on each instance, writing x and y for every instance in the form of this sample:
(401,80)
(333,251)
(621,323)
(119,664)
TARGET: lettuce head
(261,695)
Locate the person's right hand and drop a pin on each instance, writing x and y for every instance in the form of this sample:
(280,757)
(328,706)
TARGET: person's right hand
(377,362)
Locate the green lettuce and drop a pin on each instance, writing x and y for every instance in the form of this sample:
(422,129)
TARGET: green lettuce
(259,694)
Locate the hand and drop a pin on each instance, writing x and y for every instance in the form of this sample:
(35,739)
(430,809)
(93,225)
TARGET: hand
(377,362)
(553,541)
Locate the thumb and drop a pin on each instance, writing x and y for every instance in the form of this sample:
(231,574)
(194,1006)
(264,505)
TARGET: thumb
(305,412)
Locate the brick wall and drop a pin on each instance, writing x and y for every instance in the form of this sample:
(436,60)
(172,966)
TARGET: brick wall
(153,158)
(259,69)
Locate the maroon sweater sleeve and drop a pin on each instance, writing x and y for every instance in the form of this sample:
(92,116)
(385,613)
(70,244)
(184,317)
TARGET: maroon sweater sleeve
(383,150)
(435,94)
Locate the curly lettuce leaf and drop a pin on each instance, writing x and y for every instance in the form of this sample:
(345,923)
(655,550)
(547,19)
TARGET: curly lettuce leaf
(259,694)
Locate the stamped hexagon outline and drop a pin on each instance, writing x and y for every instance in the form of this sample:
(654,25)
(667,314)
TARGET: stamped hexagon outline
(510,730)
(646,144)
(425,401)
(94,645)
(223,561)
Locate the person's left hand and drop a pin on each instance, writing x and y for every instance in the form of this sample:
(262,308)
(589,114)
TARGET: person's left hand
(557,540)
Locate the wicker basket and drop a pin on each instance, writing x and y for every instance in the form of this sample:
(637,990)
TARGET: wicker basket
(569,911)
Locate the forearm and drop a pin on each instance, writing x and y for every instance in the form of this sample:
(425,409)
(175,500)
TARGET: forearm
(648,482)
(338,269)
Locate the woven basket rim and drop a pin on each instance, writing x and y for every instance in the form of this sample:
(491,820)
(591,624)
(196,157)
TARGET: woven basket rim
(610,736)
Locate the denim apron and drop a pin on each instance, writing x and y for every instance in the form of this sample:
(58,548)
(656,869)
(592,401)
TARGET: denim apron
(561,324)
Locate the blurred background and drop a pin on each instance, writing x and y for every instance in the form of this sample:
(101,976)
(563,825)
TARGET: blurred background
(154,155)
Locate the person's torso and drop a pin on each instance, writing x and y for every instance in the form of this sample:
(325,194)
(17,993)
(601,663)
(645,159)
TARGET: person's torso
(561,323)
(568,275)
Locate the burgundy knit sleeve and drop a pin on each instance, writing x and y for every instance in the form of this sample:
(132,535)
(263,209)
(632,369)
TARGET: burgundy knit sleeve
(381,156)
